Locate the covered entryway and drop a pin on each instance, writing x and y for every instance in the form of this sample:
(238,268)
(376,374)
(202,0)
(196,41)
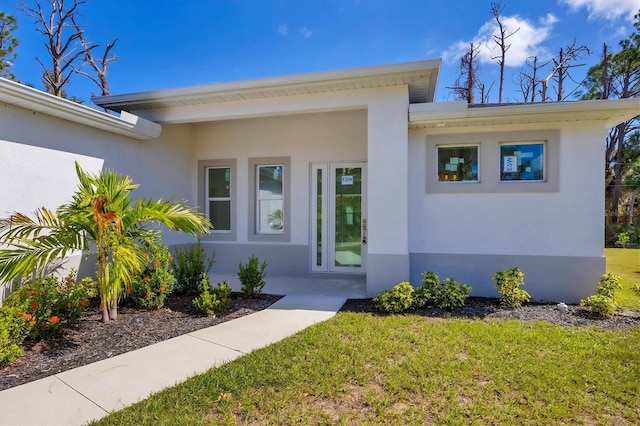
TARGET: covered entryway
(339,217)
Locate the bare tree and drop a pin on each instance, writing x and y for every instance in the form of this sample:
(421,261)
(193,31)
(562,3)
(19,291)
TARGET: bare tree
(62,39)
(528,80)
(99,66)
(501,41)
(467,79)
(560,72)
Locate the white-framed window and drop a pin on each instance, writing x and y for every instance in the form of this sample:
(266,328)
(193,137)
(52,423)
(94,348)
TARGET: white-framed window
(458,163)
(521,161)
(270,217)
(218,205)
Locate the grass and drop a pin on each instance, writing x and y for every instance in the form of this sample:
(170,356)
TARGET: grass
(626,263)
(408,369)
(362,368)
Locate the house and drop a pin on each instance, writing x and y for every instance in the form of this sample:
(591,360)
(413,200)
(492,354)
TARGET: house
(351,173)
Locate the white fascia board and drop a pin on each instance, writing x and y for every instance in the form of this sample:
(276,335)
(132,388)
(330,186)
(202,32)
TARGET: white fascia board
(158,96)
(45,103)
(453,114)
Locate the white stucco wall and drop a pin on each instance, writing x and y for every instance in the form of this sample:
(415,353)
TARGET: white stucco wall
(38,152)
(563,223)
(306,138)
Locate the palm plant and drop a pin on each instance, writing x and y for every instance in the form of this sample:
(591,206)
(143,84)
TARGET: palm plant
(101,220)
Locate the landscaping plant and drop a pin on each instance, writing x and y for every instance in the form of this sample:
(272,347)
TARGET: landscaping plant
(43,305)
(603,302)
(188,266)
(445,295)
(101,220)
(508,284)
(397,300)
(212,300)
(251,276)
(151,287)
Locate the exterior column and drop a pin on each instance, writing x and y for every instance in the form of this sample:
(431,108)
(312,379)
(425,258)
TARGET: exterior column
(387,185)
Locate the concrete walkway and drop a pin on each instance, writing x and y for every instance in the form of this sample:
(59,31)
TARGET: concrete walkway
(91,392)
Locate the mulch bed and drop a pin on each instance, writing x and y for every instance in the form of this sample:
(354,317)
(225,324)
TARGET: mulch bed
(91,341)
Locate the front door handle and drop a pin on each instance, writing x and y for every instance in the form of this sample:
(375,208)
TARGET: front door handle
(364,231)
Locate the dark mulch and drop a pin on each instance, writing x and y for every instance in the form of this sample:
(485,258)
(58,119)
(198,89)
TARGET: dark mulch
(489,308)
(90,340)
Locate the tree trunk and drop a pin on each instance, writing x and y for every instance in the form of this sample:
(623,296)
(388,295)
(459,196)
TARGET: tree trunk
(617,175)
(105,313)
(113,311)
(632,204)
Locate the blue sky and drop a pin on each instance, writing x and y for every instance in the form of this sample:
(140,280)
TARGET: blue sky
(175,43)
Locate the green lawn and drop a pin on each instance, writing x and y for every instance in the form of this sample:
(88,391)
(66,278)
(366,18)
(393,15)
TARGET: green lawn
(407,369)
(626,263)
(362,368)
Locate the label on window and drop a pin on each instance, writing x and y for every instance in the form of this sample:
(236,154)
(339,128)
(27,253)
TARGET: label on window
(510,164)
(347,180)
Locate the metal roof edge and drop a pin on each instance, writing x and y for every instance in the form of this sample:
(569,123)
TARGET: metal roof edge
(129,125)
(117,101)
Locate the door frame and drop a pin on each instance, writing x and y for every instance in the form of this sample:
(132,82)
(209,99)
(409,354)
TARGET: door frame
(322,253)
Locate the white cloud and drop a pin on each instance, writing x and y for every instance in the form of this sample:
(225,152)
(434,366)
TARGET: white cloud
(606,9)
(283,30)
(525,42)
(306,32)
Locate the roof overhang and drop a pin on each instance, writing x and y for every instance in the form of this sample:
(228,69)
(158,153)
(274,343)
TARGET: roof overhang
(35,100)
(462,117)
(420,76)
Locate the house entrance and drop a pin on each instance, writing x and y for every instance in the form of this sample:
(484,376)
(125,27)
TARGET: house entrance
(339,217)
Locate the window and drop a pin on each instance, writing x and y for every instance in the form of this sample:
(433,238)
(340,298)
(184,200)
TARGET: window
(218,208)
(458,163)
(522,162)
(217,197)
(270,199)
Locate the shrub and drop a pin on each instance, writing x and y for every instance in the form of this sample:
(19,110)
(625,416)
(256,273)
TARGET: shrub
(445,295)
(14,327)
(212,300)
(623,239)
(507,284)
(188,266)
(48,303)
(397,300)
(636,289)
(251,276)
(150,288)
(603,302)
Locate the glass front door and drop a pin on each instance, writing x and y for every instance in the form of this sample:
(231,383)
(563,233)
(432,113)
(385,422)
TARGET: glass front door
(339,216)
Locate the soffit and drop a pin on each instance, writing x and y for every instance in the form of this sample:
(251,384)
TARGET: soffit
(462,117)
(421,77)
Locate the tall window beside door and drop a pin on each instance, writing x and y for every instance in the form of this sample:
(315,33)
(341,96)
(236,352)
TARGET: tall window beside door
(270,199)
(218,208)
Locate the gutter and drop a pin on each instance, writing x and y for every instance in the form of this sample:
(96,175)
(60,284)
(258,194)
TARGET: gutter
(127,124)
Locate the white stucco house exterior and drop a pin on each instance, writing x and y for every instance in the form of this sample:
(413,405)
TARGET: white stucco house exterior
(352,173)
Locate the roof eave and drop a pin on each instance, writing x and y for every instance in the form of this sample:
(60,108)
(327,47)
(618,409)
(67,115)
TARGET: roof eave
(459,115)
(45,103)
(157,98)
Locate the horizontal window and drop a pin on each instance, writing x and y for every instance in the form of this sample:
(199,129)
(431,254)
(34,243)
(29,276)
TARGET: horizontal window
(522,162)
(458,163)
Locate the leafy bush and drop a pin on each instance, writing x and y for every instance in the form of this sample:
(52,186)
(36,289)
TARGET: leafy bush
(49,303)
(445,295)
(14,327)
(399,299)
(603,302)
(251,276)
(212,300)
(507,284)
(150,289)
(636,289)
(623,239)
(188,266)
